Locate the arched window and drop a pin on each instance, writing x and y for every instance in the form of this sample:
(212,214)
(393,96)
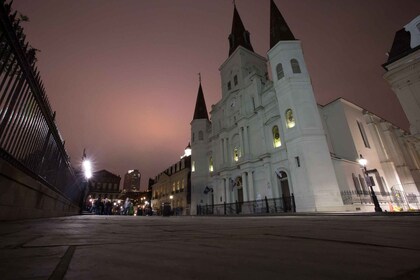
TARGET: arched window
(200,135)
(211,164)
(276,137)
(280,72)
(290,119)
(356,183)
(295,66)
(236,154)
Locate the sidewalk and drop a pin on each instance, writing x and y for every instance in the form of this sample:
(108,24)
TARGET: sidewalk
(269,247)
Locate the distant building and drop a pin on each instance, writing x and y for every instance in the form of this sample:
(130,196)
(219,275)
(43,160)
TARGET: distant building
(173,186)
(403,72)
(132,181)
(104,184)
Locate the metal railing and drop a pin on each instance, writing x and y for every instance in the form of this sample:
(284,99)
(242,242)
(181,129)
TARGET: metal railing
(29,138)
(254,207)
(395,197)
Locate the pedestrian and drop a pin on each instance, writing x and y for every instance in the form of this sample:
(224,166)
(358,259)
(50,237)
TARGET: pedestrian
(126,206)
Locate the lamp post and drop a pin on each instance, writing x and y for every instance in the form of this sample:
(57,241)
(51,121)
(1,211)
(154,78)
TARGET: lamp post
(363,162)
(87,172)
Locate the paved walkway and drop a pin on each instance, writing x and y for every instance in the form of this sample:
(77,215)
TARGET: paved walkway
(277,247)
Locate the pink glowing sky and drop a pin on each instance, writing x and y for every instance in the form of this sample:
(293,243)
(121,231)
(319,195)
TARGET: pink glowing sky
(122,75)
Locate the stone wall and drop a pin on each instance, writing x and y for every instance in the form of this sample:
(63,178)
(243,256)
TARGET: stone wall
(23,197)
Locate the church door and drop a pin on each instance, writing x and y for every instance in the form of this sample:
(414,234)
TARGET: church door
(285,191)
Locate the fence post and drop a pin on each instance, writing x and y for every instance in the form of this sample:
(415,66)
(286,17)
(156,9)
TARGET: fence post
(266,205)
(224,207)
(293,201)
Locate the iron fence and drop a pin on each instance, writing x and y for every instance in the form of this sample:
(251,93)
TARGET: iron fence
(254,207)
(395,197)
(29,138)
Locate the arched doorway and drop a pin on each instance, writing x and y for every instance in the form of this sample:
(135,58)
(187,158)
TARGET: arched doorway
(240,194)
(283,183)
(238,184)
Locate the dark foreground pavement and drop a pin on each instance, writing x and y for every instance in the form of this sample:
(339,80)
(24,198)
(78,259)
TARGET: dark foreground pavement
(278,247)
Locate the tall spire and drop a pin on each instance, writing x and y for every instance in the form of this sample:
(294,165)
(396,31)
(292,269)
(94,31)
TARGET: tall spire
(238,36)
(279,30)
(200,111)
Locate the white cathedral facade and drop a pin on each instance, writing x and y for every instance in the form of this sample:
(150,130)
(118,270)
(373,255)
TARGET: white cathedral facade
(270,139)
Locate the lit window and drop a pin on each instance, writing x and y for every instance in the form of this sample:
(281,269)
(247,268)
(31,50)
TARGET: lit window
(235,80)
(173,187)
(280,72)
(295,66)
(276,137)
(177,186)
(211,164)
(200,135)
(290,120)
(193,166)
(182,184)
(236,154)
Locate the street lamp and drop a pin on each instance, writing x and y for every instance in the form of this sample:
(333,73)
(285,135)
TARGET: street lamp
(87,170)
(171,197)
(363,162)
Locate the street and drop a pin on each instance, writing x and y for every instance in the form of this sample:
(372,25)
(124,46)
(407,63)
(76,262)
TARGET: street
(336,246)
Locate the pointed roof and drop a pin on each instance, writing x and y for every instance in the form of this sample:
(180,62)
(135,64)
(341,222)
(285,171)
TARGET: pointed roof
(239,36)
(200,111)
(279,30)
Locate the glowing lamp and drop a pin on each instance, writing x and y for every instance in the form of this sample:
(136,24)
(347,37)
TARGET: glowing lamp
(188,150)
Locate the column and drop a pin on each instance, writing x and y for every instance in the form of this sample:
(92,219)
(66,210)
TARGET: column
(222,152)
(247,150)
(228,190)
(225,150)
(251,185)
(244,186)
(241,142)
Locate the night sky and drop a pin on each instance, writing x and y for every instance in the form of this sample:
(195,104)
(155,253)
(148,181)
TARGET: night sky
(122,74)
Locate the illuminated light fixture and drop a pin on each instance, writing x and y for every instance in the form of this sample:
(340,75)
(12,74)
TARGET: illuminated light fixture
(362,161)
(171,197)
(87,167)
(187,151)
(130,171)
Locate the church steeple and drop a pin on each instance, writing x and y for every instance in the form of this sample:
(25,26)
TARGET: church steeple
(279,30)
(200,111)
(238,36)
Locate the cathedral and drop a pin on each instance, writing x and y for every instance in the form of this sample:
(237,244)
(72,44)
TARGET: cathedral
(268,138)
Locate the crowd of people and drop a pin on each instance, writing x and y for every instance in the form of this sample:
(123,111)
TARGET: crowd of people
(107,207)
